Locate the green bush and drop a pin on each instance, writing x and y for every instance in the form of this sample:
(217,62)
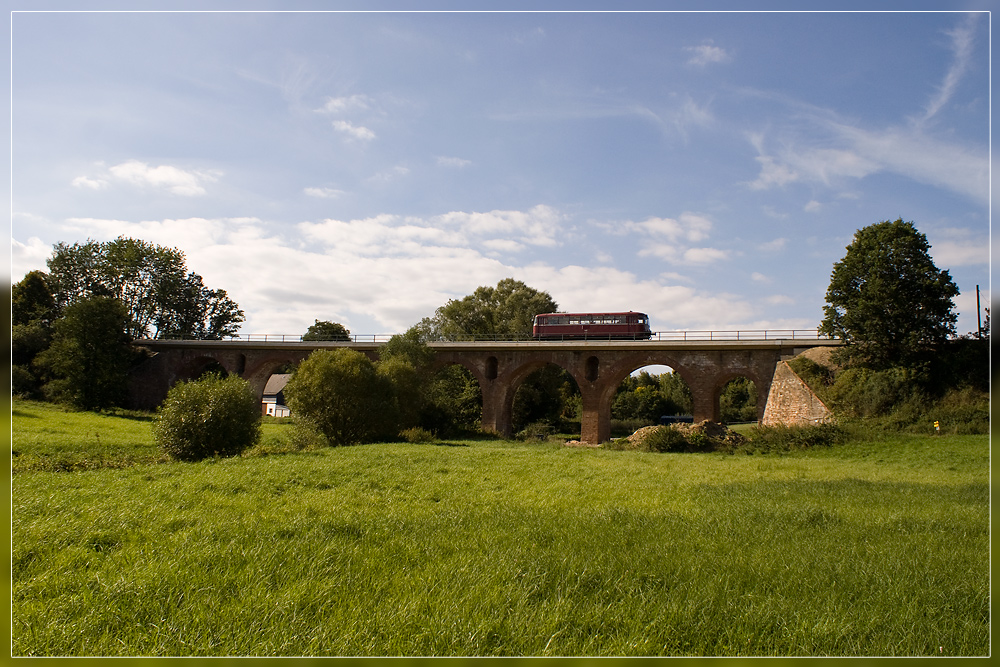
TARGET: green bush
(213,416)
(343,395)
(536,431)
(764,439)
(416,435)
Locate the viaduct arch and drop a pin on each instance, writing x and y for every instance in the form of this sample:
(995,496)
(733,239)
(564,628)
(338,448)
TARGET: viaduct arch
(598,367)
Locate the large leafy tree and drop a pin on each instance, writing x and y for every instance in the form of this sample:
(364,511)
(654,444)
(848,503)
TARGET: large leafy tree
(502,312)
(326,330)
(160,296)
(887,300)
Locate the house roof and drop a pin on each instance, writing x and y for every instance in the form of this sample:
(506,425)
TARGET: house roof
(276,383)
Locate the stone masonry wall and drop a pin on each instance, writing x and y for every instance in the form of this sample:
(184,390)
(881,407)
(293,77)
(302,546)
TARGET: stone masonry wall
(791,402)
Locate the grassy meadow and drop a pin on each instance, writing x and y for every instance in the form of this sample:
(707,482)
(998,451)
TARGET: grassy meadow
(487,547)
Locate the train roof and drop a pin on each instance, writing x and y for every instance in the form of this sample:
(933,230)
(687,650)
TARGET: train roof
(595,312)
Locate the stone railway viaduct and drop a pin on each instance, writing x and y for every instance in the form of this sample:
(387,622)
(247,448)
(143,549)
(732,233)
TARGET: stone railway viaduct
(598,367)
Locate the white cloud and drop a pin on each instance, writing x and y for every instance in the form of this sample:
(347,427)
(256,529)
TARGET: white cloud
(29,256)
(780,300)
(705,255)
(706,53)
(323,193)
(387,272)
(172,179)
(812,206)
(759,277)
(90,183)
(688,226)
(354,131)
(444,236)
(539,226)
(954,247)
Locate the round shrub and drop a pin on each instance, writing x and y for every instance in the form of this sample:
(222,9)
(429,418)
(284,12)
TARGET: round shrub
(213,416)
(341,393)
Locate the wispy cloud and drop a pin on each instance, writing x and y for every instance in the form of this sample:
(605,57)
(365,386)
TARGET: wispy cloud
(903,150)
(962,42)
(706,53)
(340,105)
(354,131)
(773,246)
(457,162)
(389,175)
(89,183)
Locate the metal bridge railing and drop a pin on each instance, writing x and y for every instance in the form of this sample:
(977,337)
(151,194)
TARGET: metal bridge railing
(684,335)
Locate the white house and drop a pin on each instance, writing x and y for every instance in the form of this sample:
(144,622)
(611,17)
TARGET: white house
(274,396)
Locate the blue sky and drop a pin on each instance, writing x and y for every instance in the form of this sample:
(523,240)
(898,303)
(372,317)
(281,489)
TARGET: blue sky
(705,168)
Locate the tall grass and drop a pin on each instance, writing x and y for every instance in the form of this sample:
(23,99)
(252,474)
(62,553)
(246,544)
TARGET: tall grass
(505,548)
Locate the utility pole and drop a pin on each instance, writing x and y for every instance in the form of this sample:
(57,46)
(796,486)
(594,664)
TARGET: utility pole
(979,317)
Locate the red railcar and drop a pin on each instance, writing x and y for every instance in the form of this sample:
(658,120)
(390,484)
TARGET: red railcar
(563,326)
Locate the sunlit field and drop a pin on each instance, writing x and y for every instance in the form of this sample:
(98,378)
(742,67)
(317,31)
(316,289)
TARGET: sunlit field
(489,547)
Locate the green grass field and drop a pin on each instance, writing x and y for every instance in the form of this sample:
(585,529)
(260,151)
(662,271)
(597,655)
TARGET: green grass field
(877,547)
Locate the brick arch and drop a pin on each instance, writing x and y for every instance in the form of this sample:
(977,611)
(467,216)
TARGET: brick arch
(625,366)
(194,368)
(513,378)
(468,364)
(263,368)
(599,394)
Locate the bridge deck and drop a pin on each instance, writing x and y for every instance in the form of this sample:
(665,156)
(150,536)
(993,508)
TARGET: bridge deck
(596,345)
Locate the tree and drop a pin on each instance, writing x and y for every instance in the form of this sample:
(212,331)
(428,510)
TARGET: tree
(341,393)
(90,354)
(194,311)
(327,331)
(212,416)
(151,281)
(887,300)
(502,312)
